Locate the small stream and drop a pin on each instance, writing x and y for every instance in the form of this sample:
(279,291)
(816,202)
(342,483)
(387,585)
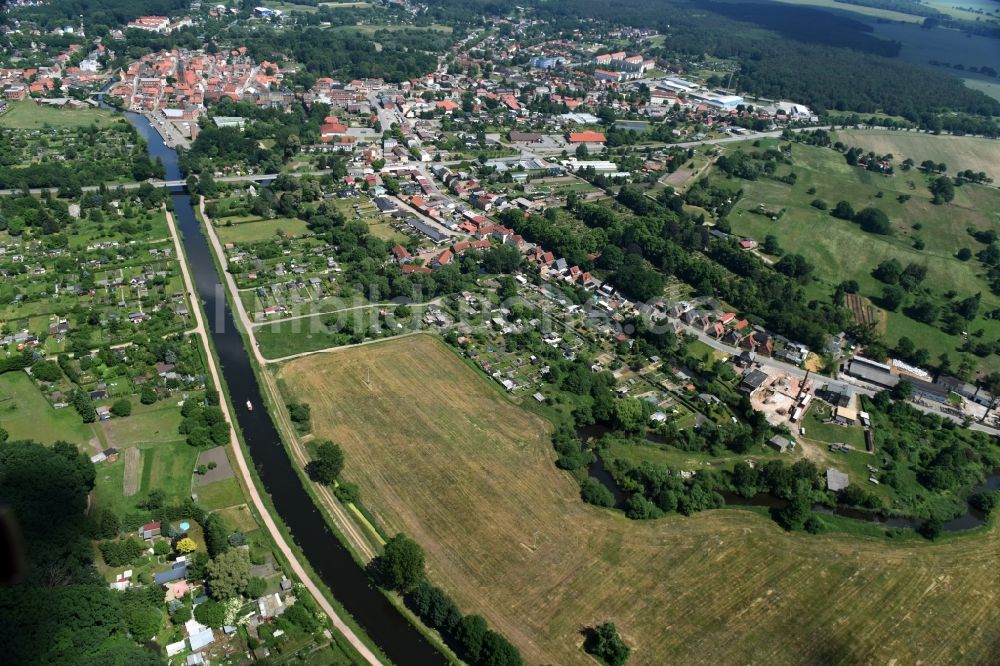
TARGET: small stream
(971,519)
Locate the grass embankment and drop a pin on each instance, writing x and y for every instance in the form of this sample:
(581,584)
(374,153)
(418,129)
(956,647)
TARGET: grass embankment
(443,457)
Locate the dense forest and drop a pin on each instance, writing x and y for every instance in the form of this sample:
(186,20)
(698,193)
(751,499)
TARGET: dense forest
(404,54)
(58,611)
(97,12)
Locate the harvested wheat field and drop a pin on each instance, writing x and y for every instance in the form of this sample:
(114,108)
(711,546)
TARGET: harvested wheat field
(957,152)
(442,456)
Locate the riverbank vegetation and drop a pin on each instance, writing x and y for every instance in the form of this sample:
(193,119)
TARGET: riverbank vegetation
(400,568)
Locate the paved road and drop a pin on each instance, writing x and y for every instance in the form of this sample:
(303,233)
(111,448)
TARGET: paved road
(244,469)
(385,118)
(525,153)
(256,178)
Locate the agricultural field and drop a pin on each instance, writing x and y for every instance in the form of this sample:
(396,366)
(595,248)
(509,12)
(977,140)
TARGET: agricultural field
(988,87)
(857,9)
(444,457)
(958,152)
(864,312)
(970,10)
(840,250)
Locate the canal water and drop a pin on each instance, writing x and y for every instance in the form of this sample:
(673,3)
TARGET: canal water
(397,638)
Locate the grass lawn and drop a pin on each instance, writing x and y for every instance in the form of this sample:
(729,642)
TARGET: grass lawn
(684,460)
(446,459)
(166,460)
(258,230)
(239,518)
(384,231)
(295,336)
(28,115)
(840,250)
(829,433)
(109,488)
(958,152)
(147,424)
(26,414)
(220,494)
(700,350)
(167,466)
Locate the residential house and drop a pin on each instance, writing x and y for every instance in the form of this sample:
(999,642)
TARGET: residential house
(150,530)
(176,572)
(401,254)
(752,381)
(780,444)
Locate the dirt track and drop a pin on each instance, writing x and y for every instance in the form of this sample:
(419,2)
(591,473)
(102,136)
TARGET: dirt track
(132,458)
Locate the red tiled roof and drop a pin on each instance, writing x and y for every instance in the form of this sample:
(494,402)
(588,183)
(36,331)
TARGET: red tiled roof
(586,137)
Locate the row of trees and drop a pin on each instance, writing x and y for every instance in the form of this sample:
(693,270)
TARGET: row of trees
(400,568)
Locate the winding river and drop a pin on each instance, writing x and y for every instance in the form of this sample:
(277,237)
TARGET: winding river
(386,626)
(971,519)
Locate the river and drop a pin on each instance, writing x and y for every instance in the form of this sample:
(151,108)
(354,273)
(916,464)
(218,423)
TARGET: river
(386,626)
(971,519)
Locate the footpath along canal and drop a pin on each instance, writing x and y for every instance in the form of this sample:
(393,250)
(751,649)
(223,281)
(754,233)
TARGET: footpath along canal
(383,623)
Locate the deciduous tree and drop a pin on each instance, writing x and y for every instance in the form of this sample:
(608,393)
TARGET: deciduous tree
(228,574)
(400,566)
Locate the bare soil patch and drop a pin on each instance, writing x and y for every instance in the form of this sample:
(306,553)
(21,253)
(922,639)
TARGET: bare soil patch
(133,469)
(223,470)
